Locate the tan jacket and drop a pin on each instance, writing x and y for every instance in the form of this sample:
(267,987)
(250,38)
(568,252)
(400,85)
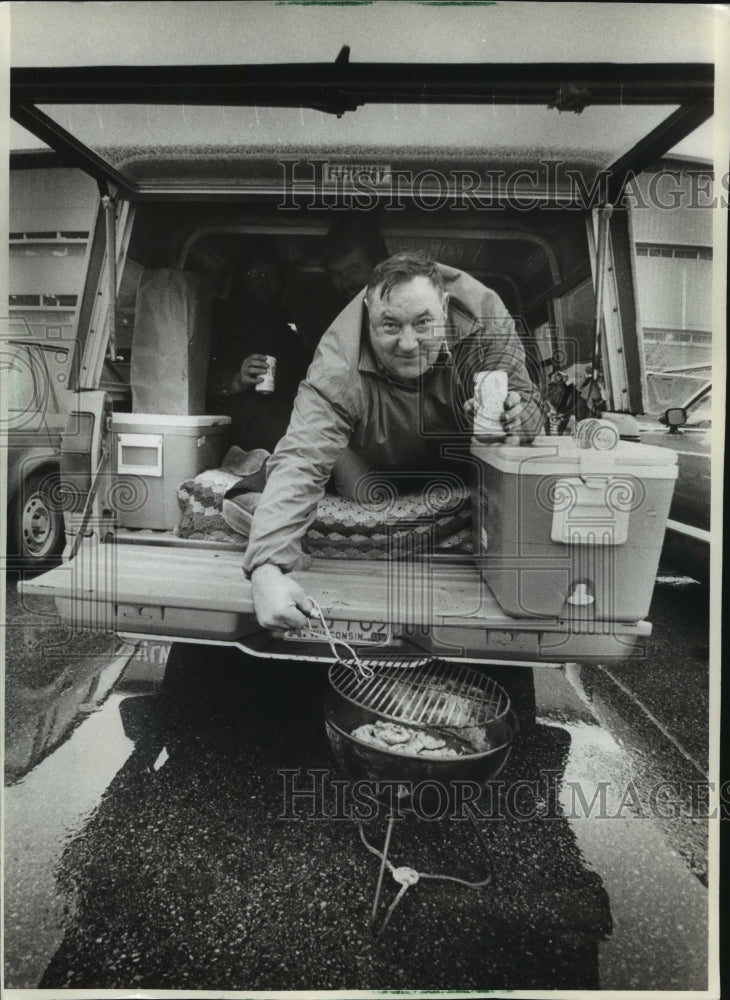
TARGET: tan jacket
(347,398)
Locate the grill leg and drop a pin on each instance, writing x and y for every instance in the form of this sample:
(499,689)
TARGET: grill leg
(383,865)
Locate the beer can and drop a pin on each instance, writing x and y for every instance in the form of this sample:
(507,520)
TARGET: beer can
(597,434)
(490,392)
(266,385)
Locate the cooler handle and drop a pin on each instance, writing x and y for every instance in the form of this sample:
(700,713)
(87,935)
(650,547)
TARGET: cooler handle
(140,454)
(584,515)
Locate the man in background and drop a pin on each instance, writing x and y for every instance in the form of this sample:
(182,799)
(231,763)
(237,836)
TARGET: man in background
(351,249)
(249,325)
(353,246)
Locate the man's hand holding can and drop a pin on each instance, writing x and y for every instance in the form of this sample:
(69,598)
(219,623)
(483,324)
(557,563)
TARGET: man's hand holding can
(257,371)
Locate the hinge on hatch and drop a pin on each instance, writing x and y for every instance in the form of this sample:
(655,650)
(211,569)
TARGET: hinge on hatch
(571,97)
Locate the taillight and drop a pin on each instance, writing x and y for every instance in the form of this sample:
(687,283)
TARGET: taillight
(77,465)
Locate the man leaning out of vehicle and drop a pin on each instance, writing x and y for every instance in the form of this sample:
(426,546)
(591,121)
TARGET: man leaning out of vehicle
(391,380)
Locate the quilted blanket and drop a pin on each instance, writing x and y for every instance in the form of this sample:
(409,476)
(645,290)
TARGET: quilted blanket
(434,519)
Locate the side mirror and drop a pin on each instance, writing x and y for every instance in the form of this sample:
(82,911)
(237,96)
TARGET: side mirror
(674,418)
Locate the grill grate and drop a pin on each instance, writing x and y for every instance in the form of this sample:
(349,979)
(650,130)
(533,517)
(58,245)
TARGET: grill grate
(423,692)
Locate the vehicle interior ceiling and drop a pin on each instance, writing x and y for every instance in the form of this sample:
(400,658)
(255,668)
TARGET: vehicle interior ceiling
(536,261)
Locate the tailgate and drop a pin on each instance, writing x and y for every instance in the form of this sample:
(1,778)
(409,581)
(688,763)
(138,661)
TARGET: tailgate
(441,607)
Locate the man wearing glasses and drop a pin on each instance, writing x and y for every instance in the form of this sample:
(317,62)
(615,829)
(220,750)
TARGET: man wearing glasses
(249,327)
(389,384)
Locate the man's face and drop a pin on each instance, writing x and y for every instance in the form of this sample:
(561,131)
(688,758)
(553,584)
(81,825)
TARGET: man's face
(407,329)
(262,281)
(350,273)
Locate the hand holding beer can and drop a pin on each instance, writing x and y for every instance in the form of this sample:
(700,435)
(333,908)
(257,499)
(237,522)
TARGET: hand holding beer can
(490,392)
(268,381)
(597,434)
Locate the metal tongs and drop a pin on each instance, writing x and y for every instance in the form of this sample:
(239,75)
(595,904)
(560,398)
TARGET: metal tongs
(362,671)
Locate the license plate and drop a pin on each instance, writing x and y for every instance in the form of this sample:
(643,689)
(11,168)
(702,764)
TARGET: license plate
(357,633)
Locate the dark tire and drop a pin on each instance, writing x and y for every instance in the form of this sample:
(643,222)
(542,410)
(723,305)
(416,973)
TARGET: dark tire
(35,523)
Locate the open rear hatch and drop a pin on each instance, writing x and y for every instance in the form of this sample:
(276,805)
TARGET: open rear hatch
(99,118)
(579,131)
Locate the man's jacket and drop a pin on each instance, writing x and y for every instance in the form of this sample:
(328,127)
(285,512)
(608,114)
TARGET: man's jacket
(347,398)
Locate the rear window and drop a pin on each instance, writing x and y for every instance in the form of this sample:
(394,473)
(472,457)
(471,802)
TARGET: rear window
(667,389)
(37,378)
(27,386)
(144,140)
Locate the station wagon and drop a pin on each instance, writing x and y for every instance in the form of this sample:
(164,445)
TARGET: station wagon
(519,174)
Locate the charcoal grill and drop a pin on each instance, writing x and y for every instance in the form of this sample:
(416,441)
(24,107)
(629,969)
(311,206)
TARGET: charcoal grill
(425,692)
(469,711)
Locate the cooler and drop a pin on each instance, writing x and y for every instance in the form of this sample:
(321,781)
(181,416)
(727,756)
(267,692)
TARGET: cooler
(152,455)
(564,531)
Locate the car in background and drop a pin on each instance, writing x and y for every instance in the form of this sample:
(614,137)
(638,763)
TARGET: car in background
(687,429)
(36,376)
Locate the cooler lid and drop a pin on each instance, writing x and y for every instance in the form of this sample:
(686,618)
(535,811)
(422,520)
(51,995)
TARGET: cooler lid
(555,455)
(161,420)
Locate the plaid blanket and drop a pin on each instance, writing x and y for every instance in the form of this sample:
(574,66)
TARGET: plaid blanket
(411,524)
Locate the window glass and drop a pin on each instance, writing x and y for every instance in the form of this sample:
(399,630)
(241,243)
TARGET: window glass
(667,389)
(575,318)
(47,248)
(27,385)
(131,137)
(671,220)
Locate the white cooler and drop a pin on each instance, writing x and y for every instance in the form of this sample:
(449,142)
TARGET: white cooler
(152,455)
(563,531)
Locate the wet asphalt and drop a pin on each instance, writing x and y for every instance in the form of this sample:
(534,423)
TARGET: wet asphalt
(157,844)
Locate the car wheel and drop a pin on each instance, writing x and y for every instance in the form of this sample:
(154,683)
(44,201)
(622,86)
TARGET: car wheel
(35,523)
